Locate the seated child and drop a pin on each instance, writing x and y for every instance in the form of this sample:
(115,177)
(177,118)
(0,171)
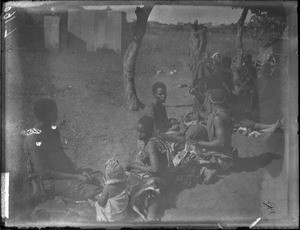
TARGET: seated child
(175,128)
(112,203)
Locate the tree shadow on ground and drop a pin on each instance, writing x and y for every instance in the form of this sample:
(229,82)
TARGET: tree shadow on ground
(247,164)
(251,164)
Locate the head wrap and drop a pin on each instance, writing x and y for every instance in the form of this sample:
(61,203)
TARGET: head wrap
(215,54)
(114,172)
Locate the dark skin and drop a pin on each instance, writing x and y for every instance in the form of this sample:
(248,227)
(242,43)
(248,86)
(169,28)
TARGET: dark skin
(152,150)
(160,97)
(223,136)
(153,168)
(47,122)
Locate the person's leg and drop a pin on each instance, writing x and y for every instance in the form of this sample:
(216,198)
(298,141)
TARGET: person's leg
(268,128)
(255,125)
(75,190)
(29,202)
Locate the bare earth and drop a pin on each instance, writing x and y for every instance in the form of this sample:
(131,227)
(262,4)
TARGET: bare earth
(96,125)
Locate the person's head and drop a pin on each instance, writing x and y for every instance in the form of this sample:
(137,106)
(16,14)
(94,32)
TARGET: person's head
(145,128)
(226,62)
(45,110)
(159,92)
(173,121)
(248,59)
(216,58)
(114,171)
(217,97)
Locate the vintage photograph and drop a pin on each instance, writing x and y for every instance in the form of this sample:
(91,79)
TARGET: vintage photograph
(150,113)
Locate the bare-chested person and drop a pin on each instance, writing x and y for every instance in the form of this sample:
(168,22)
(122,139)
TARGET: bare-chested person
(50,170)
(215,141)
(157,110)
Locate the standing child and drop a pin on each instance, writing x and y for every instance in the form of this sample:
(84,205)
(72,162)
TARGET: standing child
(112,203)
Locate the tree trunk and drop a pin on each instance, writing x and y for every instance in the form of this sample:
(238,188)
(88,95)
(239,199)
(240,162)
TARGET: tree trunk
(239,37)
(130,57)
(198,41)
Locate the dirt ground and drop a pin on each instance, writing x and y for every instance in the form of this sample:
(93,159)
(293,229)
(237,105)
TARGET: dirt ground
(96,125)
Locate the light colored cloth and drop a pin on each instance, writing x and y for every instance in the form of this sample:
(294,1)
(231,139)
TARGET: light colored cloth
(114,171)
(115,209)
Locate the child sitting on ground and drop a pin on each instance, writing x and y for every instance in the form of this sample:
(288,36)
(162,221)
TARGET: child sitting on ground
(112,203)
(175,128)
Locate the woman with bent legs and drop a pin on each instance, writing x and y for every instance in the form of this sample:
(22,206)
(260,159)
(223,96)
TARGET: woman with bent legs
(150,172)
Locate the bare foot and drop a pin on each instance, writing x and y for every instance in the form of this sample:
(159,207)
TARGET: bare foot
(273,127)
(209,174)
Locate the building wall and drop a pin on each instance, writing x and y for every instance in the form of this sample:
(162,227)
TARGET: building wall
(114,29)
(74,22)
(98,28)
(51,32)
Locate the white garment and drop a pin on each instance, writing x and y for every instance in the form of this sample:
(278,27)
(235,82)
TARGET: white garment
(115,208)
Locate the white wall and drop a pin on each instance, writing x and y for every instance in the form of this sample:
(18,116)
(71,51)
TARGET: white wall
(51,32)
(98,28)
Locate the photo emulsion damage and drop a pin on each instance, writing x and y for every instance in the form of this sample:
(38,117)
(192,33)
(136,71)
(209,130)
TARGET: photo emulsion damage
(150,113)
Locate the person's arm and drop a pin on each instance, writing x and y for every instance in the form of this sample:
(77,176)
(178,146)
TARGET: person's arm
(165,118)
(221,136)
(42,168)
(102,198)
(67,176)
(172,138)
(149,110)
(154,164)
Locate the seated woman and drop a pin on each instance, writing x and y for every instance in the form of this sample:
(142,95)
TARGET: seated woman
(51,172)
(214,139)
(151,171)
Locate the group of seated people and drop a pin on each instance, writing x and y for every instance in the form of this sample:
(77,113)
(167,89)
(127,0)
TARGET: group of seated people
(219,71)
(192,150)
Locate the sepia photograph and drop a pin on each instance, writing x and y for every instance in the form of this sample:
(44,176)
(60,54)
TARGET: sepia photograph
(146,114)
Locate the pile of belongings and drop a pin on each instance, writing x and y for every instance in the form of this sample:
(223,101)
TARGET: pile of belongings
(247,132)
